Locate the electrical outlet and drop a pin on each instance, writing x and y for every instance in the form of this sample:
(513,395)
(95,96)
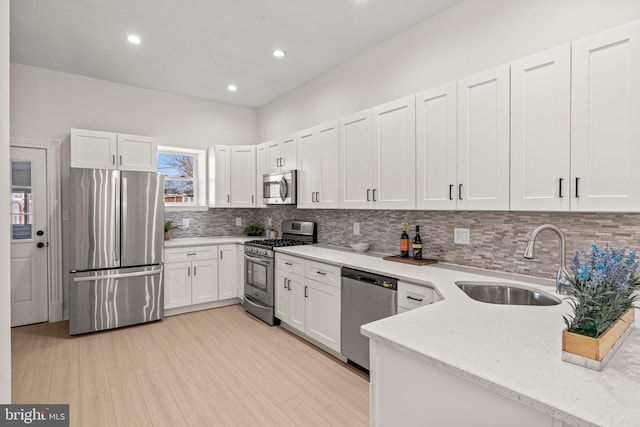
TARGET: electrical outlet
(65,215)
(238,222)
(185,223)
(356,228)
(461,236)
(269,221)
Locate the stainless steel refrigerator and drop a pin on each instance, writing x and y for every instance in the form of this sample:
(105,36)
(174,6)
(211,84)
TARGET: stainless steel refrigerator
(117,234)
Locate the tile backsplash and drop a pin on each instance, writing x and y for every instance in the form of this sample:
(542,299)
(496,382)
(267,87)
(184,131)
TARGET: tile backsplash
(497,238)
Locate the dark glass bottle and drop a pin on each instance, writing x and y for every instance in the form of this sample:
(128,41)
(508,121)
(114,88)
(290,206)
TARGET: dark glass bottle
(417,244)
(404,242)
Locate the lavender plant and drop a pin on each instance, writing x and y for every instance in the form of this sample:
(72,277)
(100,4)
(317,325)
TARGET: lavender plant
(603,289)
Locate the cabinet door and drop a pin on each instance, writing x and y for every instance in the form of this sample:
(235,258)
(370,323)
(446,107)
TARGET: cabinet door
(436,154)
(177,284)
(540,131)
(273,156)
(309,168)
(282,298)
(204,281)
(394,164)
(243,180)
(227,272)
(605,130)
(93,149)
(261,169)
(288,153)
(329,192)
(220,176)
(299,293)
(137,153)
(483,140)
(323,314)
(356,160)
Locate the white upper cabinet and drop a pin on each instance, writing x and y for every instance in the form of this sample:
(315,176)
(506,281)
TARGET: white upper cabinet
(356,161)
(281,154)
(243,179)
(318,167)
(605,124)
(436,153)
(220,176)
(231,176)
(394,165)
(377,157)
(261,169)
(540,131)
(107,150)
(483,140)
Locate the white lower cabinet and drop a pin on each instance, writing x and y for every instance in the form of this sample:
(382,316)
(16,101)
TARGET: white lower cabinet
(412,296)
(199,275)
(309,302)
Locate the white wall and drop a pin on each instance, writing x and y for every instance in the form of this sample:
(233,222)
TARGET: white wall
(47,103)
(468,37)
(5,263)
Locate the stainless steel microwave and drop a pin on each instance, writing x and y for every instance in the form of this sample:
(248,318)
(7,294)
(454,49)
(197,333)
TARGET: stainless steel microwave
(280,188)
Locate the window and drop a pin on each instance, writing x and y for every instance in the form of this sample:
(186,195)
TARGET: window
(184,177)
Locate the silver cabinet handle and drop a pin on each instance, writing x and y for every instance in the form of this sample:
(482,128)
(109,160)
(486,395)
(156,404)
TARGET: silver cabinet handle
(313,195)
(459,191)
(374,194)
(306,291)
(252,198)
(228,198)
(113,159)
(414,299)
(577,182)
(284,282)
(188,271)
(194,270)
(120,159)
(368,198)
(287,263)
(220,254)
(192,254)
(317,196)
(450,191)
(560,188)
(322,273)
(289,284)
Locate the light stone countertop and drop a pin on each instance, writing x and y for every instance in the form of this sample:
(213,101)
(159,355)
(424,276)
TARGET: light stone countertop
(204,241)
(512,350)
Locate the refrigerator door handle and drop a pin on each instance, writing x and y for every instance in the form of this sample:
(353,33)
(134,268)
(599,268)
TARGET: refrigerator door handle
(124,218)
(116,196)
(116,276)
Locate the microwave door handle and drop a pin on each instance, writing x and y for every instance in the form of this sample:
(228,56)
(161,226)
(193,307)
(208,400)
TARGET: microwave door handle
(284,188)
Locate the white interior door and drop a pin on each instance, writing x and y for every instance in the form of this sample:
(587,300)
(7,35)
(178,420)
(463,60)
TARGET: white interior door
(29,237)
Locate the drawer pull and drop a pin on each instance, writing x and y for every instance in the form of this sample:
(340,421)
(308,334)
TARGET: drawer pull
(288,263)
(414,298)
(322,273)
(192,254)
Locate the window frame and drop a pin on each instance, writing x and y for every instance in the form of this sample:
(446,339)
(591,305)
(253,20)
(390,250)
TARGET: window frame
(199,179)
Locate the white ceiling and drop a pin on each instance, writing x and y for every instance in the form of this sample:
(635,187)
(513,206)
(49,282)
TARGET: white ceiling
(198,47)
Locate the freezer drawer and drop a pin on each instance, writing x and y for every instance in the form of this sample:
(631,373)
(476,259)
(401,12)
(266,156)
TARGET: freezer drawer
(109,299)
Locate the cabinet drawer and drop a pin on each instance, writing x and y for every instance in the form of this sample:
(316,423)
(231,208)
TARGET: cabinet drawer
(289,264)
(323,273)
(191,253)
(412,296)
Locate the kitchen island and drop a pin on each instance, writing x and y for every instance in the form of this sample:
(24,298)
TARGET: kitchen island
(494,363)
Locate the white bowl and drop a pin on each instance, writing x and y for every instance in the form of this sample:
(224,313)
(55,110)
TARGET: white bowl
(360,247)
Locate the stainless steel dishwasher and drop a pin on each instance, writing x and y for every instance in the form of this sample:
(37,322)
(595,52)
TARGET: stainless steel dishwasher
(366,297)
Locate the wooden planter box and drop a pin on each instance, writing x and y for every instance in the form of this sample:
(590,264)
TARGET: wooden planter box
(596,349)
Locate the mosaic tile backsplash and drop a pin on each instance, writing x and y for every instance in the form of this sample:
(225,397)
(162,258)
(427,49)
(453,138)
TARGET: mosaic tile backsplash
(497,238)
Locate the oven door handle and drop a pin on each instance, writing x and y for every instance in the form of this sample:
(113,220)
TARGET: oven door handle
(257,260)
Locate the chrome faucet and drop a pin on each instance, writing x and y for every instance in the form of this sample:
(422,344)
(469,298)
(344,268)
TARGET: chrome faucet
(563,276)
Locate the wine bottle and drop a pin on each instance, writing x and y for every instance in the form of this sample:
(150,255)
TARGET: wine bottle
(404,242)
(417,244)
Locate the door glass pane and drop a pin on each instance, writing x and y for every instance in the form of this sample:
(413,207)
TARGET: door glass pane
(21,174)
(21,201)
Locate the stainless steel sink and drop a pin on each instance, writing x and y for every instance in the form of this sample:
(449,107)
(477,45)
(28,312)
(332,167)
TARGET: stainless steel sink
(506,293)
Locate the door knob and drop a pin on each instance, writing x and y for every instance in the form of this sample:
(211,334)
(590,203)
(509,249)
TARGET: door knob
(40,245)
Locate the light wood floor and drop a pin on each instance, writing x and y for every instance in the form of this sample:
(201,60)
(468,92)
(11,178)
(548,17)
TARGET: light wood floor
(216,367)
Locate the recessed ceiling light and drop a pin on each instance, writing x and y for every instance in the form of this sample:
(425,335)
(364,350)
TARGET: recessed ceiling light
(279,53)
(133,39)
(232,88)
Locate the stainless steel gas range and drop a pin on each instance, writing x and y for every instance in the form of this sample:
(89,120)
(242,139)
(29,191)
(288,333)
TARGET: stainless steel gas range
(259,266)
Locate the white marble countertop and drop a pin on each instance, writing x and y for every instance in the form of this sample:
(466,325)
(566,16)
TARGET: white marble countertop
(512,350)
(203,241)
